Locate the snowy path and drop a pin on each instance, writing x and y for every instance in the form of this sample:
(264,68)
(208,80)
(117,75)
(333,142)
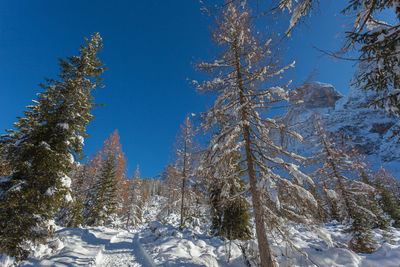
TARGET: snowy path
(166,245)
(119,252)
(125,250)
(96,247)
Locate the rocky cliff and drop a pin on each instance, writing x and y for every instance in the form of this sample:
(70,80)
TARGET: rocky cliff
(350,119)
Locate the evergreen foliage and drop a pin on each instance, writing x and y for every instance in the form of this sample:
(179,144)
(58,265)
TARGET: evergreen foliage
(42,149)
(71,212)
(387,200)
(230,210)
(377,41)
(105,198)
(135,200)
(361,241)
(349,200)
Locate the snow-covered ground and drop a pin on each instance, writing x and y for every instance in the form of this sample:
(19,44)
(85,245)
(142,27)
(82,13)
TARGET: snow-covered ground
(95,247)
(164,244)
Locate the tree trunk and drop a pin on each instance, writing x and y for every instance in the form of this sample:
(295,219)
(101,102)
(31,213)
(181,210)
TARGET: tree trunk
(263,245)
(127,220)
(183,179)
(182,206)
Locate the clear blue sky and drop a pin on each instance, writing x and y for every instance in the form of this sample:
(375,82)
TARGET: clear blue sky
(148,49)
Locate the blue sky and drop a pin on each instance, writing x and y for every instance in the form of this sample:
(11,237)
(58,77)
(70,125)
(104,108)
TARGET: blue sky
(149,48)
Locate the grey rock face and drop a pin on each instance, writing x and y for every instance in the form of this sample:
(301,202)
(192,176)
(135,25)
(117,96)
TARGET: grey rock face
(348,117)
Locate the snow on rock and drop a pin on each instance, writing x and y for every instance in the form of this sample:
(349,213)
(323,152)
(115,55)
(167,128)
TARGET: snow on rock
(349,117)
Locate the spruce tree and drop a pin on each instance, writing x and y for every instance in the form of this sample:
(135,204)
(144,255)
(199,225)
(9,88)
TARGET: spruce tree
(105,198)
(71,213)
(112,145)
(42,148)
(230,209)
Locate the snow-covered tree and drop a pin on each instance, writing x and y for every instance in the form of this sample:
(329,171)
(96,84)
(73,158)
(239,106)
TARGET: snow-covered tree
(385,184)
(173,187)
(230,210)
(184,154)
(347,198)
(242,78)
(104,204)
(71,213)
(135,199)
(112,145)
(377,41)
(42,148)
(375,38)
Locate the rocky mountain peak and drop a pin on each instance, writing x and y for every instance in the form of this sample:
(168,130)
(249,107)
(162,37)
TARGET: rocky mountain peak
(318,95)
(367,129)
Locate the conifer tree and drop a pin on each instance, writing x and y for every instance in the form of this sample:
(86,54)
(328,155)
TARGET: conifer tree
(5,169)
(105,202)
(173,188)
(71,213)
(184,153)
(347,198)
(240,73)
(230,209)
(83,183)
(42,148)
(135,199)
(373,203)
(387,199)
(112,145)
(377,41)
(87,181)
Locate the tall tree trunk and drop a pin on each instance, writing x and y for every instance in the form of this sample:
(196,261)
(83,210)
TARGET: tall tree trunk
(263,245)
